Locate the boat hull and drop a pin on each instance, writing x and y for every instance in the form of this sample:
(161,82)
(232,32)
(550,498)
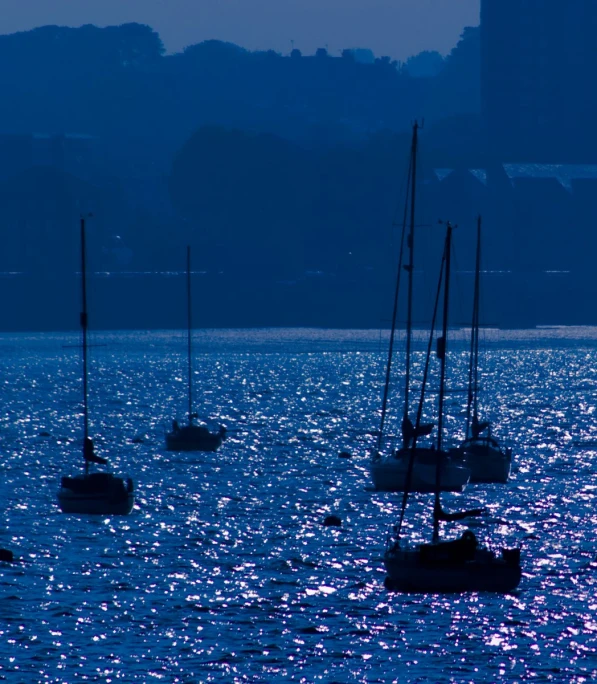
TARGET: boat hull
(94,504)
(486,461)
(413,571)
(193,438)
(96,494)
(390,473)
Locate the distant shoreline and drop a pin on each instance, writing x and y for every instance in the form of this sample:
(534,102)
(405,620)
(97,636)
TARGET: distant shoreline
(289,339)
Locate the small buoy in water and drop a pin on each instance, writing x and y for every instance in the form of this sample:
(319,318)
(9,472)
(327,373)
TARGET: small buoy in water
(6,555)
(43,433)
(332,521)
(344,454)
(138,439)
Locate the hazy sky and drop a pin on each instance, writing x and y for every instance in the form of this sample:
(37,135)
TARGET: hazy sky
(398,28)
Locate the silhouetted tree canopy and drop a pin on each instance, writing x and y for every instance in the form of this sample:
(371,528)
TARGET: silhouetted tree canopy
(116,83)
(425,64)
(280,170)
(457,87)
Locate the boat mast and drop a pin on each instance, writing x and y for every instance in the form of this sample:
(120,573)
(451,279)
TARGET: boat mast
(84,332)
(421,400)
(477,295)
(441,352)
(189,336)
(473,373)
(410,267)
(384,403)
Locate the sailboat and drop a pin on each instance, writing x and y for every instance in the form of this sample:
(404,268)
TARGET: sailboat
(455,565)
(480,451)
(93,492)
(192,437)
(390,470)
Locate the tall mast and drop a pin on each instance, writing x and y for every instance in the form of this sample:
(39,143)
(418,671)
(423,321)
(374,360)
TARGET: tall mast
(441,352)
(189,336)
(473,373)
(477,295)
(410,266)
(84,331)
(422,398)
(384,403)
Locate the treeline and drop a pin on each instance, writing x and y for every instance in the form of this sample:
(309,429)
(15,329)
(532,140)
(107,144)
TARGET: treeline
(288,235)
(285,174)
(103,120)
(255,202)
(116,83)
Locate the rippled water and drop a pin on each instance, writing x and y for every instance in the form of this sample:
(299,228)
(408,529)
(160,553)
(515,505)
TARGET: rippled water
(224,572)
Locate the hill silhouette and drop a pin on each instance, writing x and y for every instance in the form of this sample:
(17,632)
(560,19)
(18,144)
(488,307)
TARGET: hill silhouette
(285,173)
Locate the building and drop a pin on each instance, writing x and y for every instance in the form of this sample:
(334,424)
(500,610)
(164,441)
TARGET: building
(538,67)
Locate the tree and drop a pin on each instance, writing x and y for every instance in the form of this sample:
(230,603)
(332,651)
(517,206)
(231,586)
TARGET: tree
(457,88)
(426,64)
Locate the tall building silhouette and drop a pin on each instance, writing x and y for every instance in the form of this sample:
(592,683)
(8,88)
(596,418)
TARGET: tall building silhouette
(538,79)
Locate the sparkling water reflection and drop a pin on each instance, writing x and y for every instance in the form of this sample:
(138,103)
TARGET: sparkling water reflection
(223,572)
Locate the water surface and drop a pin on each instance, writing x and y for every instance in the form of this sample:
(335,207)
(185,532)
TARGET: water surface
(224,572)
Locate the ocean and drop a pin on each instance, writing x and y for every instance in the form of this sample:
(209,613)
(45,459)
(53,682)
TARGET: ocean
(224,572)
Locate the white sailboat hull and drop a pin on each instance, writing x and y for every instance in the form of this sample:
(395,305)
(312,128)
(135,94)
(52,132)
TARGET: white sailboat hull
(429,569)
(487,462)
(194,438)
(390,473)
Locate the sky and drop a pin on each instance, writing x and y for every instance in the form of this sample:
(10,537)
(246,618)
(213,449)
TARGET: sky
(398,28)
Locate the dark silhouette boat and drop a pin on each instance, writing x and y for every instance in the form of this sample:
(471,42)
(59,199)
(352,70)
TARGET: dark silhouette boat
(192,436)
(456,565)
(6,556)
(98,493)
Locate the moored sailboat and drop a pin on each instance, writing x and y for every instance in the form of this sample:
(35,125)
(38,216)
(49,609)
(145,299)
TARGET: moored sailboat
(455,565)
(480,451)
(93,492)
(391,468)
(192,437)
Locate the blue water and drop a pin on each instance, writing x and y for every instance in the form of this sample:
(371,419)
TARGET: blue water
(224,572)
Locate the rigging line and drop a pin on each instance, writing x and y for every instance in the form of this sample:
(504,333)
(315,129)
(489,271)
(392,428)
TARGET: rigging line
(189,335)
(457,284)
(402,191)
(442,385)
(425,238)
(84,320)
(477,320)
(483,333)
(384,405)
(410,268)
(422,398)
(473,373)
(444,343)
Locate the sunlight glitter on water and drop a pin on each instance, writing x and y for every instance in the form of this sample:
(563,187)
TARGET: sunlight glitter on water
(223,571)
